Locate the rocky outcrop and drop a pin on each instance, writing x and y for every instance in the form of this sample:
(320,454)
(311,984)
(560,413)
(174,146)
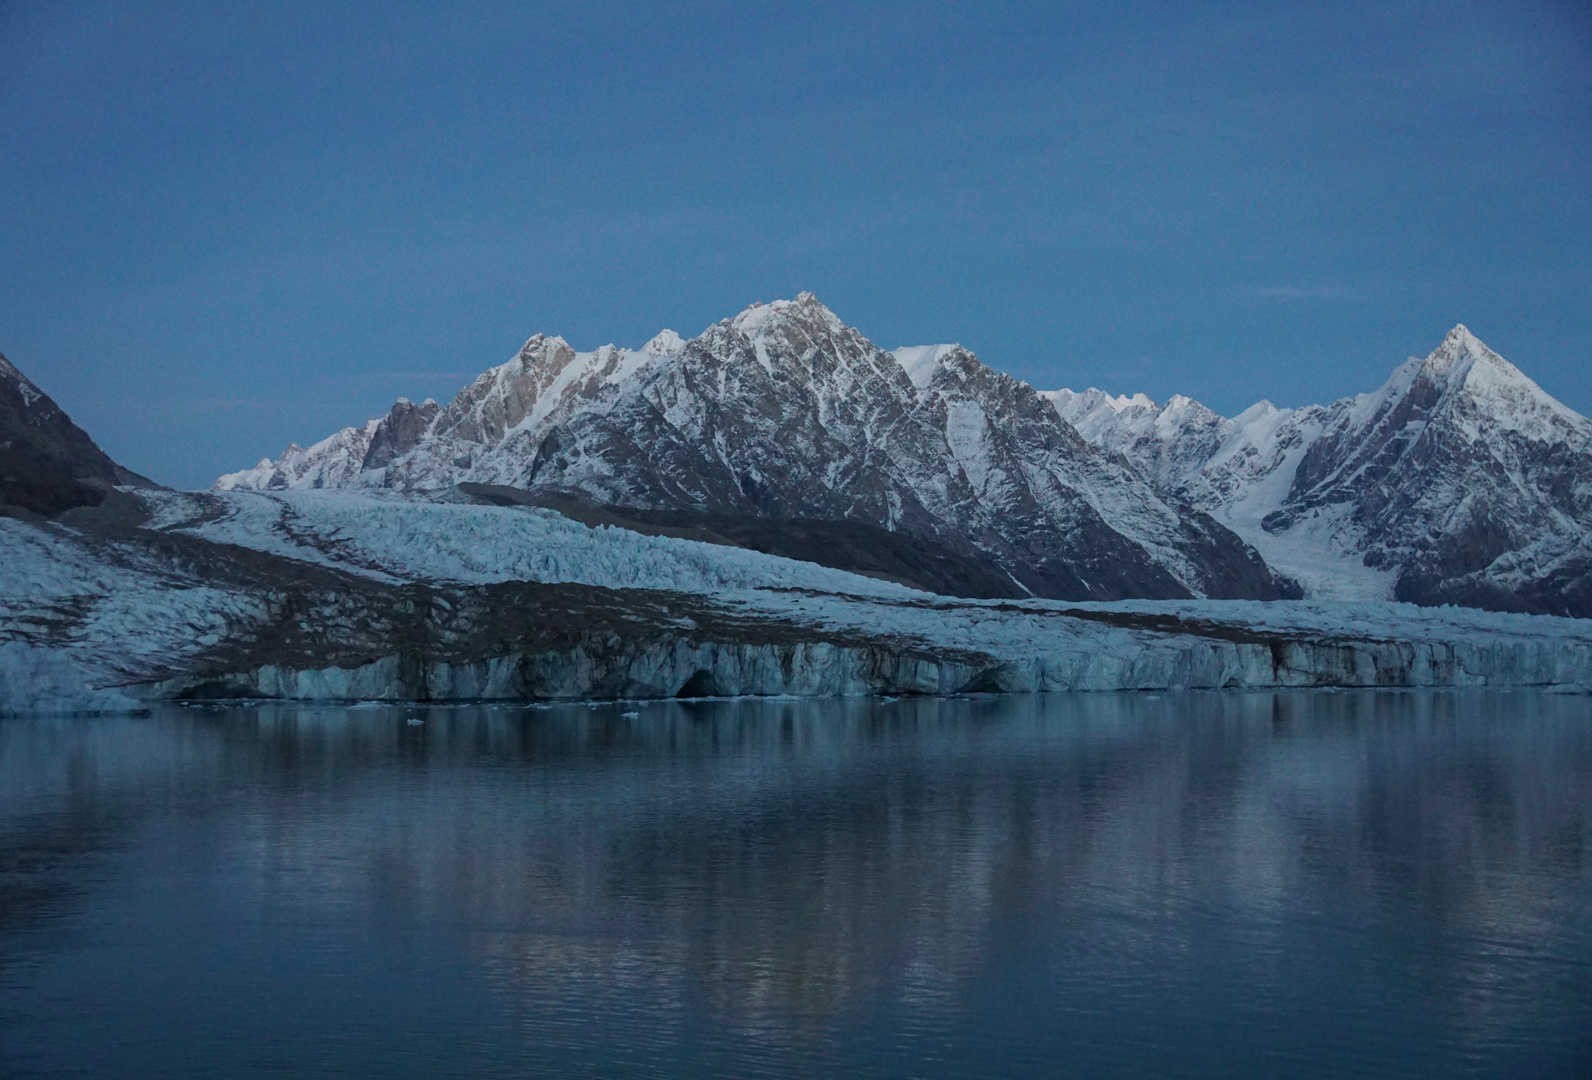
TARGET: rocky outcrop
(399,432)
(47,463)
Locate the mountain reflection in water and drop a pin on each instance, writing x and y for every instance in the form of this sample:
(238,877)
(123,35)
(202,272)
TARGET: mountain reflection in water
(1199,884)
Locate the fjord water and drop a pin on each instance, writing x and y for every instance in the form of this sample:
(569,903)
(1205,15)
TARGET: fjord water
(1306,884)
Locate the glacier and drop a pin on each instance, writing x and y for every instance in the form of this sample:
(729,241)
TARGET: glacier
(348,595)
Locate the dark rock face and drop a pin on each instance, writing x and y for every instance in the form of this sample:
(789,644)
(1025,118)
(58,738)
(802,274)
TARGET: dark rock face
(399,432)
(1235,573)
(47,463)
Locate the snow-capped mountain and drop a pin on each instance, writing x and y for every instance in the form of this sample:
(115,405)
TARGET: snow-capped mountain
(1460,480)
(47,463)
(467,594)
(784,411)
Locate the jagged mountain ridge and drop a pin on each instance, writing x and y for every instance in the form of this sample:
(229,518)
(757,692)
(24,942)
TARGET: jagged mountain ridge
(1460,480)
(47,463)
(786,412)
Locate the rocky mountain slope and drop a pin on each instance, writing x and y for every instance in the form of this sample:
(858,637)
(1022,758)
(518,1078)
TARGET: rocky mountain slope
(785,413)
(1458,481)
(47,463)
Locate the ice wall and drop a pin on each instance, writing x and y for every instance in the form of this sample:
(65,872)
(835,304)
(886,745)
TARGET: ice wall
(822,669)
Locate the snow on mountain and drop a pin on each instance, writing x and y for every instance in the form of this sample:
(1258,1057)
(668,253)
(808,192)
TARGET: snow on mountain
(921,361)
(506,407)
(138,595)
(1458,481)
(784,411)
(1092,409)
(332,462)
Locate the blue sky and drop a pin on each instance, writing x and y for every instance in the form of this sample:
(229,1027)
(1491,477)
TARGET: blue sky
(228,226)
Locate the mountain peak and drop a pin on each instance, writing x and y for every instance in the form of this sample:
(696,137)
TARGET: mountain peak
(759,319)
(1458,344)
(540,347)
(1463,362)
(664,343)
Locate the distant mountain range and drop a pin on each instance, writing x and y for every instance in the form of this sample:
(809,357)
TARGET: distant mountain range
(1459,481)
(785,413)
(771,508)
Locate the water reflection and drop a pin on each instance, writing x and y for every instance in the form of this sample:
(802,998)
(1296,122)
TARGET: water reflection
(1206,883)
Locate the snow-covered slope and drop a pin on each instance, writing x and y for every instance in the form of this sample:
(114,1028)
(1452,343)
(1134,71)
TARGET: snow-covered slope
(506,409)
(784,411)
(1458,481)
(332,462)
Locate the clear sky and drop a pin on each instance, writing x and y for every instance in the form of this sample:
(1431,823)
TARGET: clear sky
(228,226)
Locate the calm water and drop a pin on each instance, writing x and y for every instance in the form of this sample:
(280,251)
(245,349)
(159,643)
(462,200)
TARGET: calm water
(1130,885)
